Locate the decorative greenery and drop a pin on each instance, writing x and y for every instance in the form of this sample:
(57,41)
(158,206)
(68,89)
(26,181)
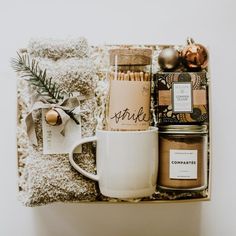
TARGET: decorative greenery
(37,77)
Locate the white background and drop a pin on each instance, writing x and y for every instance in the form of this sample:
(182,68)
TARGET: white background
(209,22)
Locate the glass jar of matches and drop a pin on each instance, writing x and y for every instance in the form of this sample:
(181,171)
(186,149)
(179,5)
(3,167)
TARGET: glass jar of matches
(130,88)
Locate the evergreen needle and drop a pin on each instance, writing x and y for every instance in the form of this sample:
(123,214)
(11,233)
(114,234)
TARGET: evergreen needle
(30,70)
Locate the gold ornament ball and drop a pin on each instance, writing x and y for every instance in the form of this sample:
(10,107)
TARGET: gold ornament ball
(52,117)
(168,58)
(194,56)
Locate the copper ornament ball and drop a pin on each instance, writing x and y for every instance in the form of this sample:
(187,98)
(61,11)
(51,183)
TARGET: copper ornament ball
(169,58)
(194,56)
(52,117)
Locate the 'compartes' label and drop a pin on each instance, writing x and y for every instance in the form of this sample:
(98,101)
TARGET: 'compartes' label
(183,164)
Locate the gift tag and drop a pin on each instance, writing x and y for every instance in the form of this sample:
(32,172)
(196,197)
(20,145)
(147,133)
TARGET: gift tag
(56,143)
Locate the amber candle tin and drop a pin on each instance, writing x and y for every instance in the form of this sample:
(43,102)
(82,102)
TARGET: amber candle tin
(181,97)
(183,153)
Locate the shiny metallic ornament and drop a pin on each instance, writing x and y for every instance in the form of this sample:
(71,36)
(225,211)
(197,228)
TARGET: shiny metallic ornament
(52,117)
(169,58)
(194,56)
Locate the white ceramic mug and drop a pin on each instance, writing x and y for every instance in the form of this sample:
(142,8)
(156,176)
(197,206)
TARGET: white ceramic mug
(127,162)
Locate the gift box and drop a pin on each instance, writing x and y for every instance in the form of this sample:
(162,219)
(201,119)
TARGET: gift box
(46,178)
(181,97)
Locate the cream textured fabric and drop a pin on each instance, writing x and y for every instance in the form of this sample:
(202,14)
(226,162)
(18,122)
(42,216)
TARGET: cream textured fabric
(49,178)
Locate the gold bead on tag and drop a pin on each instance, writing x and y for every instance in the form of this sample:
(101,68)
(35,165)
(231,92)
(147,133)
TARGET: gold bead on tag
(52,117)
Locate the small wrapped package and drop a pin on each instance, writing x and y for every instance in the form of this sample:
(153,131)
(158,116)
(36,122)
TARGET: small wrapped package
(181,97)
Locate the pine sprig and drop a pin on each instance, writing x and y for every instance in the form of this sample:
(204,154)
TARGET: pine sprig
(37,77)
(30,70)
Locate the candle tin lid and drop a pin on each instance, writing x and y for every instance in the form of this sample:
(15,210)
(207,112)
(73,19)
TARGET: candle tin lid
(183,129)
(130,56)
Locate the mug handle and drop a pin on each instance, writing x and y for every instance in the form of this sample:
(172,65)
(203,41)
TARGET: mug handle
(78,168)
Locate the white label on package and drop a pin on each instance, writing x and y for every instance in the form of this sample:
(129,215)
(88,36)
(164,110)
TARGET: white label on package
(182,97)
(183,164)
(56,143)
(129,105)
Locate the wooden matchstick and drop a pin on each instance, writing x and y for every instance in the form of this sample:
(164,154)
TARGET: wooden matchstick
(136,75)
(126,76)
(147,78)
(141,76)
(132,76)
(122,76)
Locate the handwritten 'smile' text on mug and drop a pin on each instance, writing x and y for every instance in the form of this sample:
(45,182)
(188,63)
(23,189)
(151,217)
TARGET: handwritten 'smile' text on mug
(129,105)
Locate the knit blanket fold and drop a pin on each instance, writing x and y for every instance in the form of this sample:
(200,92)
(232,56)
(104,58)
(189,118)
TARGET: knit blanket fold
(50,178)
